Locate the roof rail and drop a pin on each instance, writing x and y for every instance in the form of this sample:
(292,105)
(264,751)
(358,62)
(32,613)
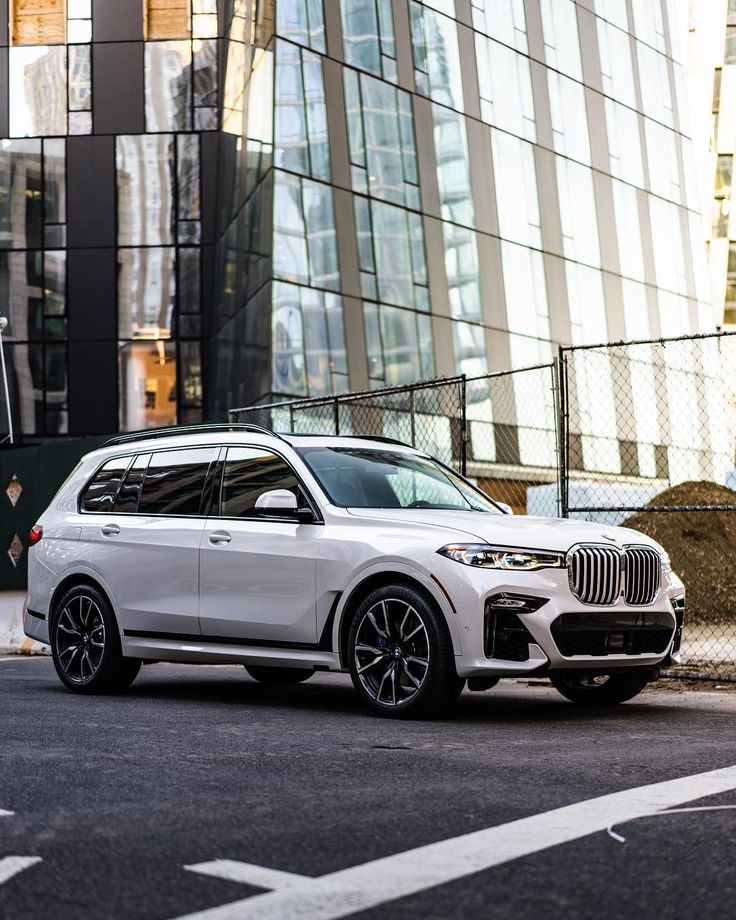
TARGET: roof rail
(174,430)
(357,437)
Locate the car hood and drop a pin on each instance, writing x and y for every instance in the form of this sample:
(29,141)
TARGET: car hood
(508,530)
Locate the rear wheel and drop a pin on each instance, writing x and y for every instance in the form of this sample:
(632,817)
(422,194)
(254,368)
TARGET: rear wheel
(278,676)
(85,644)
(400,654)
(601,689)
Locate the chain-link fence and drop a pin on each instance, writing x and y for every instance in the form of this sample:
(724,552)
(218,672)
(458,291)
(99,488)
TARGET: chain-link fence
(648,435)
(641,434)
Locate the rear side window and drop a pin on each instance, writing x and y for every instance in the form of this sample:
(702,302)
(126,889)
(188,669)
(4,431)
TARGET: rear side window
(174,481)
(249,472)
(127,500)
(102,491)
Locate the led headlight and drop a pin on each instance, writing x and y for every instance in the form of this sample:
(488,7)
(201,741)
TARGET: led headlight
(666,564)
(500,557)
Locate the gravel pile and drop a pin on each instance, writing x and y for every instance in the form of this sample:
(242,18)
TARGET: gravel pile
(701,545)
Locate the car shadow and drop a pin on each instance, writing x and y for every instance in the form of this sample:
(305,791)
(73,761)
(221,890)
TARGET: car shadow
(334,695)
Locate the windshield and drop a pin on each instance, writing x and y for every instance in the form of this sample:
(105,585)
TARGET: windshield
(356,477)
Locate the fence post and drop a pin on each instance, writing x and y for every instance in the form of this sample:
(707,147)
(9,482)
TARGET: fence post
(412,417)
(291,418)
(463,426)
(336,413)
(562,433)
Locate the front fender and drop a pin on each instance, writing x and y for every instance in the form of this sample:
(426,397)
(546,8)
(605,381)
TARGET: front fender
(400,567)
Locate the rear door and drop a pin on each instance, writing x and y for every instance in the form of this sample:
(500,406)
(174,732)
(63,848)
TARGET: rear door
(147,544)
(258,574)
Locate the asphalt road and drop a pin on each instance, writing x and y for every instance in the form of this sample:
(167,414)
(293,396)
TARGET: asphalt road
(116,795)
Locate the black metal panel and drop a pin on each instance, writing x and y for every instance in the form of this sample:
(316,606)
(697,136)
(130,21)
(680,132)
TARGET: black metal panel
(118,98)
(90,191)
(210,171)
(116,20)
(4,112)
(93,387)
(91,294)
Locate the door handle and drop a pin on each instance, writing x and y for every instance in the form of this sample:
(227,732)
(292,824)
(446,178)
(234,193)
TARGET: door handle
(219,536)
(109,530)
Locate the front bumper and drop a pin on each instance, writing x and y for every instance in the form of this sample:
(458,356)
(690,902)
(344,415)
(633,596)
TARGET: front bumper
(616,636)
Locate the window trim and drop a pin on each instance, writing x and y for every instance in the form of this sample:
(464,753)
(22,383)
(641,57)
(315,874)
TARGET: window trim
(216,504)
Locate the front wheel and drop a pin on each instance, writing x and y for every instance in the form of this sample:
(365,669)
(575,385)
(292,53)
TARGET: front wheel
(278,676)
(400,654)
(600,689)
(85,644)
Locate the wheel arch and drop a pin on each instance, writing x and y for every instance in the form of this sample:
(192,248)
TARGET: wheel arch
(373,579)
(79,578)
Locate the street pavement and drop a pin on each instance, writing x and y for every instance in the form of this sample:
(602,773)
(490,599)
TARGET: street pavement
(104,801)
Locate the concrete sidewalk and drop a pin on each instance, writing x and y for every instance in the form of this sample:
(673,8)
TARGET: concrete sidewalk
(12,639)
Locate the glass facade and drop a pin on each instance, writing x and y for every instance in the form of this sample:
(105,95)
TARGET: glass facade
(287,198)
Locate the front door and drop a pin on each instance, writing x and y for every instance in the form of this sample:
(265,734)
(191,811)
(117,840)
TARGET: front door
(257,574)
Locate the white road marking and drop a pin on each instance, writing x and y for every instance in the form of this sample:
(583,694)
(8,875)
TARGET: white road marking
(250,874)
(371,884)
(6,814)
(12,865)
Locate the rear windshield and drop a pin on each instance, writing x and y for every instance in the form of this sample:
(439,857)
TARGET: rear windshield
(367,478)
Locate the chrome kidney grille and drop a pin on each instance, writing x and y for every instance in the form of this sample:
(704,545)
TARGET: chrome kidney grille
(598,574)
(642,575)
(595,574)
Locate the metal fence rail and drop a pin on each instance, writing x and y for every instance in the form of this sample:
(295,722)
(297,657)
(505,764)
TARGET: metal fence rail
(635,433)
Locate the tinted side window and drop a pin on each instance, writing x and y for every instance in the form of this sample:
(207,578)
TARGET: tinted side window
(100,493)
(174,480)
(127,500)
(249,472)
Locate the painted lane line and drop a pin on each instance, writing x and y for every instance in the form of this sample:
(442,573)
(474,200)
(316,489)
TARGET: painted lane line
(12,865)
(6,814)
(371,884)
(250,874)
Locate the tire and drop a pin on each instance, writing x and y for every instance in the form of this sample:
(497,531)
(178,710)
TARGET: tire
(412,671)
(278,676)
(85,644)
(592,690)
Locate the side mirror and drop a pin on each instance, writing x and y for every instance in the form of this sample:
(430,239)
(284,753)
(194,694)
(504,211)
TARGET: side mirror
(507,509)
(282,503)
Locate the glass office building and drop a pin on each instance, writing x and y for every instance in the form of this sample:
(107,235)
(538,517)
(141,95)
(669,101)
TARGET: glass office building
(206,204)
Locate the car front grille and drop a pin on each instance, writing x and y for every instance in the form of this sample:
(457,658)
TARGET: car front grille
(613,634)
(643,569)
(598,573)
(595,574)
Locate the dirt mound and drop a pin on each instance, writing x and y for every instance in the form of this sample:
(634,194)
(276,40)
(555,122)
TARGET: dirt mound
(701,545)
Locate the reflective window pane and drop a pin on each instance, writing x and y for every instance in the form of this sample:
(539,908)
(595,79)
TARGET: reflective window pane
(147,385)
(168,74)
(561,40)
(503,20)
(515,183)
(398,343)
(381,136)
(305,243)
(436,56)
(302,21)
(145,189)
(300,115)
(569,117)
(505,87)
(308,341)
(21,211)
(368,36)
(578,214)
(146,293)
(21,290)
(37,90)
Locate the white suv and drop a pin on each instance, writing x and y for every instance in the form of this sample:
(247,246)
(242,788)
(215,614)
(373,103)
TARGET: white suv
(294,554)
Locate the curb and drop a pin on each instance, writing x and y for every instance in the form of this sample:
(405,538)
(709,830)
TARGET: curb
(13,640)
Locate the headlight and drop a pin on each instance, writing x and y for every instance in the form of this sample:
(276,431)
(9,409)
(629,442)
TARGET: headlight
(666,564)
(501,557)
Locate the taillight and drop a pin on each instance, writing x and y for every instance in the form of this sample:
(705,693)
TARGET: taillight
(35,534)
